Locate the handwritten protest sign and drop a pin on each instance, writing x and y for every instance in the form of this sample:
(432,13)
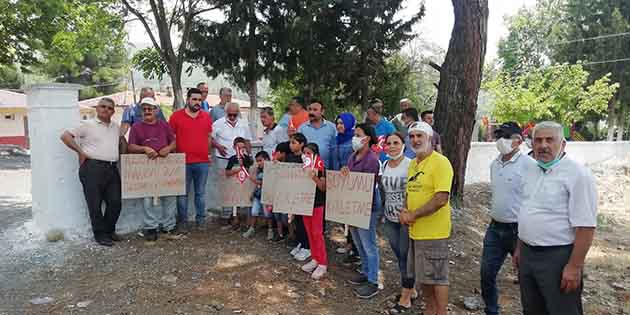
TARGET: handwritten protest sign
(235,194)
(349,198)
(143,177)
(291,188)
(269,182)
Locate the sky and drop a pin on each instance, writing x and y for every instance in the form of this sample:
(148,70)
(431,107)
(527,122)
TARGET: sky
(435,26)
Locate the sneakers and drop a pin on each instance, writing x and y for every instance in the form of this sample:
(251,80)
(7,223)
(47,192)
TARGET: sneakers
(351,259)
(303,254)
(115,237)
(105,241)
(319,272)
(277,238)
(310,266)
(359,279)
(249,233)
(270,234)
(342,250)
(296,250)
(366,291)
(173,235)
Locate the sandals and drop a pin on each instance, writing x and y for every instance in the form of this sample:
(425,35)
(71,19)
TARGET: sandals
(398,309)
(398,296)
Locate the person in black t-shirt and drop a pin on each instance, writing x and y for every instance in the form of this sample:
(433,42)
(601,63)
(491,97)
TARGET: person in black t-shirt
(233,166)
(302,250)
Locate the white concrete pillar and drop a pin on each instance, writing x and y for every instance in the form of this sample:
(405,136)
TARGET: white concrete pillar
(57,194)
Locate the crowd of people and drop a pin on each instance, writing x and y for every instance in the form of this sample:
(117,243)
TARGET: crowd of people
(544,206)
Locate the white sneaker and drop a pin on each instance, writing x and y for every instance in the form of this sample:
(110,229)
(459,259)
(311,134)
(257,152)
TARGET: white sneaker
(342,250)
(319,272)
(303,254)
(296,250)
(310,266)
(249,233)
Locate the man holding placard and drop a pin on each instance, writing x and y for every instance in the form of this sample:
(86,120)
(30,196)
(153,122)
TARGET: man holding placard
(428,214)
(156,139)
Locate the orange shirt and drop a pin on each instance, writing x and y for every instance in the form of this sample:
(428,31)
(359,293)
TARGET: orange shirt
(298,119)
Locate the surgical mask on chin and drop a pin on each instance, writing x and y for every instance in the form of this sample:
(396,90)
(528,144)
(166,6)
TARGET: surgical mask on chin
(548,165)
(357,143)
(504,146)
(402,151)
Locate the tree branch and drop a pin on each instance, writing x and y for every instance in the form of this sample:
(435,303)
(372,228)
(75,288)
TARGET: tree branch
(435,66)
(174,15)
(145,23)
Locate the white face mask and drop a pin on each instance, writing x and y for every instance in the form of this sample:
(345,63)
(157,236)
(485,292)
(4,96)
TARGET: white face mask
(504,146)
(357,143)
(402,151)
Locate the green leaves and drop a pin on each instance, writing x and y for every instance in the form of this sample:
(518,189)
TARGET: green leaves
(150,62)
(559,92)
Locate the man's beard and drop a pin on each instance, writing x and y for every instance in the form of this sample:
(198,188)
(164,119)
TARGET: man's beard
(194,108)
(423,149)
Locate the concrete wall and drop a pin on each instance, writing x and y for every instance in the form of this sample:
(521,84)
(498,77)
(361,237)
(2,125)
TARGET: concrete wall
(482,153)
(12,124)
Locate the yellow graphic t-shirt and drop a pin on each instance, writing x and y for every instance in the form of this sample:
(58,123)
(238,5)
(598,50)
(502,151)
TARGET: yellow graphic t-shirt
(432,175)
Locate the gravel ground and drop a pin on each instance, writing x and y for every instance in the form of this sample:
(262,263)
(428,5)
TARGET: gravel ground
(219,272)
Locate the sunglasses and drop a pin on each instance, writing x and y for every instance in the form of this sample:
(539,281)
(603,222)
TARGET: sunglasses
(107,107)
(232,115)
(147,109)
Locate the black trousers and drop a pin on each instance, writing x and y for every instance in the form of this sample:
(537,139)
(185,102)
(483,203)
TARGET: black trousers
(300,232)
(101,183)
(540,275)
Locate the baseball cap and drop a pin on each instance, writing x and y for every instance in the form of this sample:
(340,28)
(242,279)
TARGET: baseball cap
(149,101)
(421,126)
(507,129)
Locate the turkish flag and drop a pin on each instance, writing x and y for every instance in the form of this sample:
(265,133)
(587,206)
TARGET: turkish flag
(318,163)
(242,175)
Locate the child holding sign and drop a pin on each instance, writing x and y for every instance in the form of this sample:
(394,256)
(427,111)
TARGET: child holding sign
(314,224)
(257,207)
(242,160)
(302,251)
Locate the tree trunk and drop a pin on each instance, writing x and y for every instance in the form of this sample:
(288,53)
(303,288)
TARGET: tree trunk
(621,123)
(460,79)
(252,90)
(176,82)
(610,121)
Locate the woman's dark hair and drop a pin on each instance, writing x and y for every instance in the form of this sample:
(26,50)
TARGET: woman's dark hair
(283,147)
(313,147)
(263,154)
(411,113)
(369,131)
(298,137)
(397,134)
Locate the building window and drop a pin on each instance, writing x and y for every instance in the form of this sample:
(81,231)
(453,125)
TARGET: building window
(9,116)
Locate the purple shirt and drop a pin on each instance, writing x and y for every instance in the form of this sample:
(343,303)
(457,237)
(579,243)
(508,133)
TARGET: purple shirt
(368,164)
(156,136)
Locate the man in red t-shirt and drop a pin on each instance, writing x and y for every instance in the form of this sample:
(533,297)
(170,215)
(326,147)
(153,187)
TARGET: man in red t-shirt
(193,130)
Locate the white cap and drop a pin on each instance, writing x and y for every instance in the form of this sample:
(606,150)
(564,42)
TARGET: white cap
(149,101)
(421,126)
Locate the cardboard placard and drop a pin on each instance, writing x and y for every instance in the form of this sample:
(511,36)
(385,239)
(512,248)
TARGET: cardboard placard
(269,183)
(349,198)
(142,177)
(235,194)
(292,189)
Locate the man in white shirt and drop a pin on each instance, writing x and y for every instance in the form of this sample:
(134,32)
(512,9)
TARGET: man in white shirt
(224,131)
(506,176)
(273,133)
(96,143)
(398,122)
(556,225)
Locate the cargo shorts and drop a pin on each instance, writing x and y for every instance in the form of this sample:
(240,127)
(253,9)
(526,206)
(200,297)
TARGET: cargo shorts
(428,261)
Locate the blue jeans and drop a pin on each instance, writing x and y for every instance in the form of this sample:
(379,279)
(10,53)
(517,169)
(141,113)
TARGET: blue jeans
(365,240)
(197,174)
(398,236)
(162,214)
(500,240)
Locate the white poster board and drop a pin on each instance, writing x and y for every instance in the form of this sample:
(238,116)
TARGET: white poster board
(349,198)
(143,177)
(292,189)
(235,194)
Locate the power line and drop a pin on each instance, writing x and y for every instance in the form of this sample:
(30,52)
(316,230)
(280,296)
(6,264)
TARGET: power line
(579,40)
(606,61)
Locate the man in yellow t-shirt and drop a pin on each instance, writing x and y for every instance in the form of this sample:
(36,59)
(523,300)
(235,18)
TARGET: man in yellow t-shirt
(428,215)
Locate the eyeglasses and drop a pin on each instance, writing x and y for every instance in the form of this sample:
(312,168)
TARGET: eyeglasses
(107,107)
(232,115)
